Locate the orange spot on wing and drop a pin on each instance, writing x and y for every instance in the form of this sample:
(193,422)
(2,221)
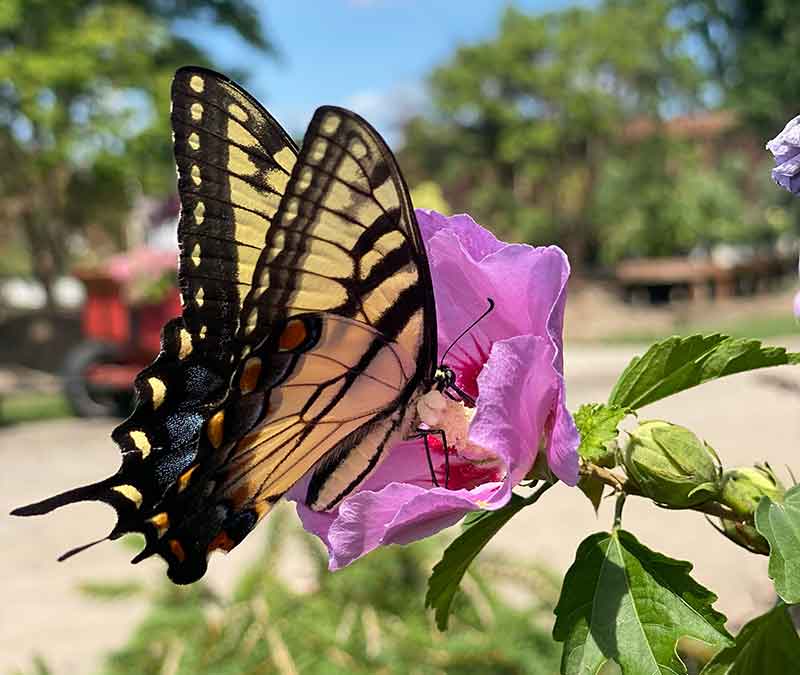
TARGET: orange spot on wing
(183,479)
(216,428)
(161,522)
(177,550)
(293,335)
(221,541)
(249,378)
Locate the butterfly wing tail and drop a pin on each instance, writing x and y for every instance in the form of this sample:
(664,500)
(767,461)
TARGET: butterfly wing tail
(94,492)
(106,490)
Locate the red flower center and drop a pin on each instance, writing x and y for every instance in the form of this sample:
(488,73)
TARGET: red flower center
(467,366)
(463,474)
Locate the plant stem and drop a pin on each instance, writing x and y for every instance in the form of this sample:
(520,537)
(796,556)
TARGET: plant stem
(621,484)
(618,506)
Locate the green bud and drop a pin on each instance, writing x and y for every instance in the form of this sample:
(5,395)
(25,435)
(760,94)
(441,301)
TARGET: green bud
(745,535)
(671,465)
(743,487)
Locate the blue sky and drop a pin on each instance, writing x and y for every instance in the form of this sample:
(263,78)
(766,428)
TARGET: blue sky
(368,55)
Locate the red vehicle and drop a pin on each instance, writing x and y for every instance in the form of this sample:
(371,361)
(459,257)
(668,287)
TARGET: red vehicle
(128,300)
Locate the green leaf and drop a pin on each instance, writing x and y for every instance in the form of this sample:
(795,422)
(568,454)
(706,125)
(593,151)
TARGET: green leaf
(593,488)
(767,644)
(457,558)
(779,524)
(676,363)
(623,602)
(597,424)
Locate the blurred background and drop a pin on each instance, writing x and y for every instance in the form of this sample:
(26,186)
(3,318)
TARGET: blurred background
(629,132)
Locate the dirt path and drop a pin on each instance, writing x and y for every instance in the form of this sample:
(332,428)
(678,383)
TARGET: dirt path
(44,612)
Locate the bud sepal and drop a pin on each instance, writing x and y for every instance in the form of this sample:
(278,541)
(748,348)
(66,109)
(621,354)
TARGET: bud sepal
(671,465)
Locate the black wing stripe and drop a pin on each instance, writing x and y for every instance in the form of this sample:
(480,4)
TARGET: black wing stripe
(182,125)
(258,184)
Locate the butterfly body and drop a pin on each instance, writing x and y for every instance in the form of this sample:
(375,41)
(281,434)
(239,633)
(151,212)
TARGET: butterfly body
(308,334)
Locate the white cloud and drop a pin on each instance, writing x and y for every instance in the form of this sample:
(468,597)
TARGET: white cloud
(389,109)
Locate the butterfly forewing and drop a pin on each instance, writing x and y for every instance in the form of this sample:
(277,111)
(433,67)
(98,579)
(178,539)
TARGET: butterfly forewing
(234,162)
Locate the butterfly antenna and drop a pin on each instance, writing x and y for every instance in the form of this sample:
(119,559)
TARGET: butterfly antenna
(469,328)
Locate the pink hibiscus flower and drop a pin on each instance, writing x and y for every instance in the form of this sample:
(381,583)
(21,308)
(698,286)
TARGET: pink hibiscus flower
(510,362)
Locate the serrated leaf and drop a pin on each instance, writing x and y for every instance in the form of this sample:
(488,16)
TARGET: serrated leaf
(676,363)
(597,424)
(767,644)
(457,557)
(621,601)
(779,524)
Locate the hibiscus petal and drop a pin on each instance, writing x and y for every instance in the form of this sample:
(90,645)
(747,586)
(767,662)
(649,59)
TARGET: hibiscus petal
(562,445)
(518,389)
(397,514)
(477,241)
(785,147)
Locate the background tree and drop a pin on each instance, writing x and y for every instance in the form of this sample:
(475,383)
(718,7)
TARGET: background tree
(530,118)
(750,47)
(84,101)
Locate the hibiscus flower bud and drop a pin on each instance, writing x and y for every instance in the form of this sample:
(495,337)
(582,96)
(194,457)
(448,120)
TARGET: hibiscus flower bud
(671,465)
(743,488)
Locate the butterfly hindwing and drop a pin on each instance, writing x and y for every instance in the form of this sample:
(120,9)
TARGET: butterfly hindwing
(284,412)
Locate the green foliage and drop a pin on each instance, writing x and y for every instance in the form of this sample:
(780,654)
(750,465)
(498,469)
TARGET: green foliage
(450,570)
(767,644)
(27,407)
(525,124)
(598,426)
(676,364)
(367,618)
(750,48)
(111,591)
(84,110)
(780,525)
(662,198)
(621,601)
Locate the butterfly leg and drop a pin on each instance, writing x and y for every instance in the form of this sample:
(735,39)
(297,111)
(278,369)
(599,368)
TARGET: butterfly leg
(424,436)
(424,433)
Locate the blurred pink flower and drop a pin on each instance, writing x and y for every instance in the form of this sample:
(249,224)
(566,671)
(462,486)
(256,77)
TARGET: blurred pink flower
(511,362)
(141,263)
(147,274)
